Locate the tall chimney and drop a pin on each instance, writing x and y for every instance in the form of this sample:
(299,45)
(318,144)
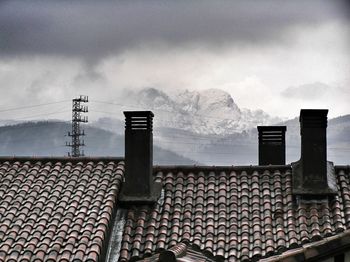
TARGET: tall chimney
(312,174)
(272,145)
(139,186)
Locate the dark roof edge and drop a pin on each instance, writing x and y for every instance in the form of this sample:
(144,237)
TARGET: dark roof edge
(315,251)
(218,168)
(342,167)
(58,159)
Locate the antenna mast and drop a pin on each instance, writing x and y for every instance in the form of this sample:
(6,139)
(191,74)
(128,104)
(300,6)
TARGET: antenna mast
(77,132)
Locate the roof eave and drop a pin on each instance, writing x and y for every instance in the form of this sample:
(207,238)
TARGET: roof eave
(315,251)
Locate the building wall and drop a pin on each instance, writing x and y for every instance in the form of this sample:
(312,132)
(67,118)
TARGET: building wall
(347,256)
(332,259)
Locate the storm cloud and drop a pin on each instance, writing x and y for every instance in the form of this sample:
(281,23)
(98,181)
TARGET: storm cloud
(96,29)
(271,49)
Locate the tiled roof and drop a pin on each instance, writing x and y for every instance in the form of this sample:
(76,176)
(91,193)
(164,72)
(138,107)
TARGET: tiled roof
(61,209)
(57,209)
(233,214)
(179,252)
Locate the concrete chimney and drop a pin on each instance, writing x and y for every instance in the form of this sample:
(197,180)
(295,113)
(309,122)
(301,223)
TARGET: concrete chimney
(139,185)
(312,174)
(272,145)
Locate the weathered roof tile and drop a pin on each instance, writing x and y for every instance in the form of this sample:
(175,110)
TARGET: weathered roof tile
(232,214)
(57,209)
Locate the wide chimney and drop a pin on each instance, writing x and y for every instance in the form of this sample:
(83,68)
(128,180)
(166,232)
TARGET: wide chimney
(313,174)
(139,185)
(272,145)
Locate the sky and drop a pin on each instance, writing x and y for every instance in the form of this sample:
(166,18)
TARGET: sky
(278,56)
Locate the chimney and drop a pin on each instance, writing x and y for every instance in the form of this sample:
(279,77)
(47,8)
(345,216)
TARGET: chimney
(272,145)
(139,185)
(312,174)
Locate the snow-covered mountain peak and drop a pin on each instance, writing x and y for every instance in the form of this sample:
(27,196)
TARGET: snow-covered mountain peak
(152,96)
(211,111)
(216,98)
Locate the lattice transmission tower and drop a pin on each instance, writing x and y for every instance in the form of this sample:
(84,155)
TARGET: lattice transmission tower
(77,132)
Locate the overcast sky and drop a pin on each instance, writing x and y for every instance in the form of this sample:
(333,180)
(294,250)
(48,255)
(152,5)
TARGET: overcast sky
(278,56)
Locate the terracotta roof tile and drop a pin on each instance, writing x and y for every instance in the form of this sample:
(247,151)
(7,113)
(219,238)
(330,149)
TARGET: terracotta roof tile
(231,214)
(62,210)
(56,209)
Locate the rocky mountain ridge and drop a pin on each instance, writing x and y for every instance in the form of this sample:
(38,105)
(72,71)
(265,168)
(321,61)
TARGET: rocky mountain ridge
(211,111)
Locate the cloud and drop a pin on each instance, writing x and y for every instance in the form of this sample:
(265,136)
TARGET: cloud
(55,50)
(318,95)
(94,29)
(311,91)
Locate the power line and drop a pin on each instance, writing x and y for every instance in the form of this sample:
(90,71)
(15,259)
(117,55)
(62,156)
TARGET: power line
(193,151)
(171,122)
(44,114)
(243,144)
(156,120)
(185,136)
(209,152)
(199,144)
(31,106)
(200,137)
(168,111)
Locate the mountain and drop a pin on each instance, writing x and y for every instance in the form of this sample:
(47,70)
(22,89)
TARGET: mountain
(48,139)
(211,111)
(190,127)
(238,149)
(172,146)
(241,148)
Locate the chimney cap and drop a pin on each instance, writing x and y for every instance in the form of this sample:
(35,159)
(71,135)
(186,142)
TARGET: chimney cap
(138,113)
(272,128)
(313,112)
(314,118)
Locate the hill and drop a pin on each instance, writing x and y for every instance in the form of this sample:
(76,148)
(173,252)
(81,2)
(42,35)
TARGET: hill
(240,148)
(172,145)
(48,139)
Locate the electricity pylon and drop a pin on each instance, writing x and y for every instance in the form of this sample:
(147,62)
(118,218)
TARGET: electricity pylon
(77,132)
